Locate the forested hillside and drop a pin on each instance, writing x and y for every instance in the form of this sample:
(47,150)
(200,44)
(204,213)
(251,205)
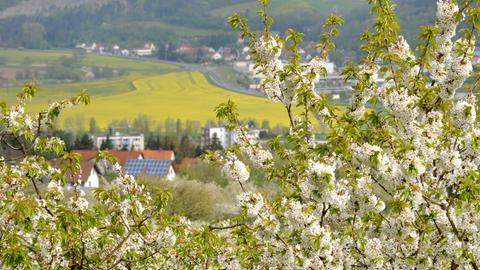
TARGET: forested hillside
(133,22)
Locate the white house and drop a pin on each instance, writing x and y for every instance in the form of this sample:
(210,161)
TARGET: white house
(143,52)
(91,48)
(171,173)
(330,66)
(81,46)
(147,50)
(256,132)
(217,56)
(150,46)
(241,66)
(225,137)
(119,141)
(90,177)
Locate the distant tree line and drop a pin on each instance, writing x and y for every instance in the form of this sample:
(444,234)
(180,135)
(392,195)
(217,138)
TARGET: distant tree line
(184,137)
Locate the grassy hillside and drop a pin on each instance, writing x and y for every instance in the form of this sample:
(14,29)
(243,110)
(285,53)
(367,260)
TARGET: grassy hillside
(282,7)
(13,8)
(18,57)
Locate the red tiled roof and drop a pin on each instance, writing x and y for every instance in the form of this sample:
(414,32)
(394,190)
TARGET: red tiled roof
(158,154)
(186,162)
(123,156)
(87,162)
(87,167)
(86,154)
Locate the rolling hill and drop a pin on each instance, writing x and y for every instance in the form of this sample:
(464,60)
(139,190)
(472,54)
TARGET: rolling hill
(130,22)
(14,8)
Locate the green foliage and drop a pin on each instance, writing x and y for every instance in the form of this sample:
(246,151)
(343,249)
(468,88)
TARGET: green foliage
(204,173)
(393,187)
(107,144)
(195,200)
(84,143)
(33,35)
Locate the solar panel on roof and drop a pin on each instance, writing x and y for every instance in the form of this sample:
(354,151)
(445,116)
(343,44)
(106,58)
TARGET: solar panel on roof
(150,167)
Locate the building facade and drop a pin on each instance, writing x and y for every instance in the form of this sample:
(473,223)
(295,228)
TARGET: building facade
(130,142)
(223,136)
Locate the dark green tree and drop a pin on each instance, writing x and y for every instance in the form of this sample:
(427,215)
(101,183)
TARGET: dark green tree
(84,143)
(107,144)
(93,128)
(185,149)
(169,142)
(266,124)
(33,35)
(179,127)
(153,142)
(215,143)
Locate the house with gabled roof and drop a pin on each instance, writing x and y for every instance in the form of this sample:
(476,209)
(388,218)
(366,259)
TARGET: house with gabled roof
(150,167)
(124,156)
(93,169)
(89,175)
(159,155)
(86,155)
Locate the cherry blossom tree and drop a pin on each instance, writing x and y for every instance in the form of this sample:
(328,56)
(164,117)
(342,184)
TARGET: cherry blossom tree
(393,188)
(396,186)
(46,229)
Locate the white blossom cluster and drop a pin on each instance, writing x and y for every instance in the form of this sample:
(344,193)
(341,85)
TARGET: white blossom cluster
(402,192)
(234,169)
(451,65)
(44,226)
(278,84)
(369,73)
(249,146)
(399,189)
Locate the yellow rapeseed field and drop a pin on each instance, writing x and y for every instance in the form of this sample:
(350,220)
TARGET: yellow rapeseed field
(151,88)
(178,95)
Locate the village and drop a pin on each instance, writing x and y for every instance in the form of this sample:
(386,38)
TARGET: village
(136,160)
(243,75)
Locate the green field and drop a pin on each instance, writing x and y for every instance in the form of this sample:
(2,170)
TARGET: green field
(152,88)
(156,26)
(39,58)
(280,7)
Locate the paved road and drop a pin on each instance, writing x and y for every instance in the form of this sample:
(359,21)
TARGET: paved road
(216,78)
(212,75)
